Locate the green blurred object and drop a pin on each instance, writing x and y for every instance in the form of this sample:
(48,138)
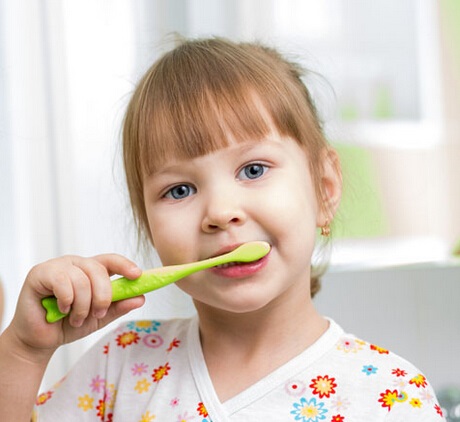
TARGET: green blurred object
(450,23)
(349,112)
(450,18)
(383,108)
(456,250)
(361,213)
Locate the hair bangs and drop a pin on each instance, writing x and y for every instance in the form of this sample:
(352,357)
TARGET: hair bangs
(186,119)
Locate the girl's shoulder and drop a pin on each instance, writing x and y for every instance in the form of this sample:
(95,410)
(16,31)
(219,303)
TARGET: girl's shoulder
(363,372)
(371,358)
(352,353)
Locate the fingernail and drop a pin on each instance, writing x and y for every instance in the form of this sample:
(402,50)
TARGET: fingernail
(99,314)
(65,310)
(77,323)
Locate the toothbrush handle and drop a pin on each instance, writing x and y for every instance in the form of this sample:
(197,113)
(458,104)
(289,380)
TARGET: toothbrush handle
(122,288)
(53,314)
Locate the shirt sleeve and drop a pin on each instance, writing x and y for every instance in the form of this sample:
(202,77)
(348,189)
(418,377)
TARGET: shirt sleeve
(85,393)
(413,401)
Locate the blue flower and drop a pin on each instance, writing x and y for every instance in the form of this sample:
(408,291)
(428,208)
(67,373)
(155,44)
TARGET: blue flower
(369,369)
(144,326)
(309,411)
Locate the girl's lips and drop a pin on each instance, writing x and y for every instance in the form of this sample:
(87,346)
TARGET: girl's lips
(240,269)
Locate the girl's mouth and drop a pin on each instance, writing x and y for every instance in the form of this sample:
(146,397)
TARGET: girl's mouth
(229,264)
(240,269)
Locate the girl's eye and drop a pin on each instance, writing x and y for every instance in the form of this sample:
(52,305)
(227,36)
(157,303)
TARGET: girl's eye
(180,192)
(252,171)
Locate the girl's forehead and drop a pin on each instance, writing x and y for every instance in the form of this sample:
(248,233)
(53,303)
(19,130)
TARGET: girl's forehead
(183,140)
(232,148)
(265,148)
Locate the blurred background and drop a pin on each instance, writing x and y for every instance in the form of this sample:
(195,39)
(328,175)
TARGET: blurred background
(386,78)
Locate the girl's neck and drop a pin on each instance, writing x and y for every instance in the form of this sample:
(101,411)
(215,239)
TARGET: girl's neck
(257,330)
(260,341)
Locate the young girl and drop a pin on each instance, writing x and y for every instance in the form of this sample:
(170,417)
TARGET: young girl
(222,146)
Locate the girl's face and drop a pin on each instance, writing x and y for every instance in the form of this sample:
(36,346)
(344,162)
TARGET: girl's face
(205,206)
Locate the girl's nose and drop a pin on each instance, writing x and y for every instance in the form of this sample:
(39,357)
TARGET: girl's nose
(221,214)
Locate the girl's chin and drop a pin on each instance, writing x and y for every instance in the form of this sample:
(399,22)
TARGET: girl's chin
(238,298)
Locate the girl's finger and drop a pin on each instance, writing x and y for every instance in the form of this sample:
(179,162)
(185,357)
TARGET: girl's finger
(118,264)
(101,288)
(53,278)
(64,292)
(82,291)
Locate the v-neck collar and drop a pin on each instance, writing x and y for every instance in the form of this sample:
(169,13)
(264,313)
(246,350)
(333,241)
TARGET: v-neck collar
(222,412)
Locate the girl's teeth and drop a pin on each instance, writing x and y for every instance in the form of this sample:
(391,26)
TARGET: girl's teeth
(229,264)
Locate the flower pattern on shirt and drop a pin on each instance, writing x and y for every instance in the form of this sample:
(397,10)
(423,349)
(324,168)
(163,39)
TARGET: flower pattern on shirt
(369,369)
(419,380)
(327,389)
(141,360)
(323,386)
(127,339)
(160,372)
(144,326)
(309,410)
(43,398)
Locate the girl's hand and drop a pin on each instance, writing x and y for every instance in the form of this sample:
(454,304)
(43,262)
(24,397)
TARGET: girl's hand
(82,287)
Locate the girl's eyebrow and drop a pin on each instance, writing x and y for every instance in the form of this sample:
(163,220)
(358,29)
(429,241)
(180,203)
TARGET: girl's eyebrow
(235,149)
(244,147)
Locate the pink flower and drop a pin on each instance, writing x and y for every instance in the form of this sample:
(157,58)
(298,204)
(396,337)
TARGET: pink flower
(97,384)
(139,369)
(174,402)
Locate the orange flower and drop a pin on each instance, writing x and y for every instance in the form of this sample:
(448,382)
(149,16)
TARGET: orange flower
(419,380)
(160,372)
(202,410)
(381,350)
(438,410)
(323,386)
(174,343)
(101,409)
(43,398)
(415,403)
(127,339)
(388,398)
(399,372)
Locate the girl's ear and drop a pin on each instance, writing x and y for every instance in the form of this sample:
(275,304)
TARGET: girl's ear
(331,186)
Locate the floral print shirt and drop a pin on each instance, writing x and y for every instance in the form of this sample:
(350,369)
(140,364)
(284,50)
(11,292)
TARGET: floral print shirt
(146,371)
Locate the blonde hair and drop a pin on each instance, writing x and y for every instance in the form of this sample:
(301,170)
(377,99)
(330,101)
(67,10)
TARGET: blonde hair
(195,96)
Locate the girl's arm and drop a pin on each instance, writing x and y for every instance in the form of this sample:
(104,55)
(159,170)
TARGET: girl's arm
(21,372)
(81,286)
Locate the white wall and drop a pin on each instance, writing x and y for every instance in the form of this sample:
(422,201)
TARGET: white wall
(413,311)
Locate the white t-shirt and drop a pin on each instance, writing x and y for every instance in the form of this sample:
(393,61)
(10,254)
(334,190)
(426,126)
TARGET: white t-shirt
(147,371)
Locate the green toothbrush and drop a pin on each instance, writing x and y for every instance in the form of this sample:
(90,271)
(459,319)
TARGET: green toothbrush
(154,279)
